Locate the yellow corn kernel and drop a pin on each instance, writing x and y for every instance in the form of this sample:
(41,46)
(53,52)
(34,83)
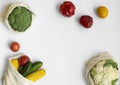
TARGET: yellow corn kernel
(36,75)
(15,63)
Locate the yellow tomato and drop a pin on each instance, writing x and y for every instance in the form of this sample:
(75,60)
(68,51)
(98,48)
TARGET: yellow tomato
(102,11)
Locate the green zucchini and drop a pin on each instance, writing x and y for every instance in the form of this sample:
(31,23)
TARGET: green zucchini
(25,70)
(35,66)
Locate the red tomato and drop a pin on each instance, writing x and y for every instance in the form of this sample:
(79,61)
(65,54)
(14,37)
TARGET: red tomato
(15,46)
(86,21)
(23,60)
(67,8)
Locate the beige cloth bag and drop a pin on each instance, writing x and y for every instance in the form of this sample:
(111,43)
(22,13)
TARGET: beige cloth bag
(92,62)
(13,77)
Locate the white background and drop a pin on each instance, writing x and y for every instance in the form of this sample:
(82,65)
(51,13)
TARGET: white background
(62,43)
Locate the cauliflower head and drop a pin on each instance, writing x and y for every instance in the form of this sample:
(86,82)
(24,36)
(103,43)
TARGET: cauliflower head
(105,72)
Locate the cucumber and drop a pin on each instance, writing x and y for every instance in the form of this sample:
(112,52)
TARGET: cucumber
(35,66)
(20,67)
(25,70)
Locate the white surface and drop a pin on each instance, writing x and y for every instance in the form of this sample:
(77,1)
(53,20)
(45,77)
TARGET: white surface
(62,43)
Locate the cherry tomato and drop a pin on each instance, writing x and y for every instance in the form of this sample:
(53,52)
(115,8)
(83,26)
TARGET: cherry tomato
(102,11)
(15,46)
(67,8)
(23,60)
(86,21)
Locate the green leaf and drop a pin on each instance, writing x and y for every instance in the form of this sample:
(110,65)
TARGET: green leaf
(93,72)
(114,82)
(111,63)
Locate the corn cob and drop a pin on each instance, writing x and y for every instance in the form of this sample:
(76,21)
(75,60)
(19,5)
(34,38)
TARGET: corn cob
(36,75)
(15,63)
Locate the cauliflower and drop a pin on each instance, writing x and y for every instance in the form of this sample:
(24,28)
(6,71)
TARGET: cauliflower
(105,72)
